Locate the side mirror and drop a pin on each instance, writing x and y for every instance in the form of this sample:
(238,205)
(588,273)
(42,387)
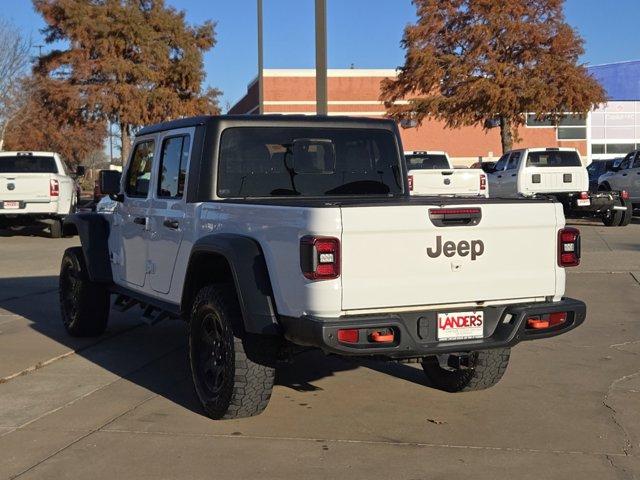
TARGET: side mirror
(488,168)
(109,182)
(80,171)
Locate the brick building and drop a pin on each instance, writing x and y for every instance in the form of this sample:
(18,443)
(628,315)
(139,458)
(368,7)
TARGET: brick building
(355,92)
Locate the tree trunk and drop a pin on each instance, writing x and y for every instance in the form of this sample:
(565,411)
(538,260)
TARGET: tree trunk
(125,143)
(506,134)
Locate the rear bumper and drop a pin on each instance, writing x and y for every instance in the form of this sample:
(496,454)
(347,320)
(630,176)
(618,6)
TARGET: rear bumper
(30,208)
(416,332)
(599,202)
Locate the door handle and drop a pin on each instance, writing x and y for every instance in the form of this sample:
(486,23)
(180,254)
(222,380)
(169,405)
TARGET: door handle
(140,220)
(513,174)
(624,174)
(172,224)
(499,176)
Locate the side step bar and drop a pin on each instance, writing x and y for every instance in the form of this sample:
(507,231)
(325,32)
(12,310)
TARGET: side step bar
(151,315)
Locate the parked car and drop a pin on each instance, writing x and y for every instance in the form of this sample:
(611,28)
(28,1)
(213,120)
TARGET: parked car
(561,174)
(431,173)
(486,167)
(600,167)
(625,177)
(37,187)
(279,233)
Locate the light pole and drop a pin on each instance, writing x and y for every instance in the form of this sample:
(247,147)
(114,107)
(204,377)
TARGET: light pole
(322,106)
(260,60)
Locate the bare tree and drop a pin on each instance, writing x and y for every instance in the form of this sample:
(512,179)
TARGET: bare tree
(14,62)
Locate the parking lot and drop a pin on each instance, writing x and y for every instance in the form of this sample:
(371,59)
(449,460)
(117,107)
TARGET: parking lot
(122,406)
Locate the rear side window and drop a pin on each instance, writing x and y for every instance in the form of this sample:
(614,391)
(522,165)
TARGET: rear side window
(139,173)
(173,166)
(281,161)
(28,164)
(553,158)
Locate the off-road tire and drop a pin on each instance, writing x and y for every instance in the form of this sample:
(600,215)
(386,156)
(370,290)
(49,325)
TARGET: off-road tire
(486,368)
(232,373)
(55,228)
(84,304)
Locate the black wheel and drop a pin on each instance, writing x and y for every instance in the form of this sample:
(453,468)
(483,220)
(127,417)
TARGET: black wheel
(485,369)
(55,228)
(627,215)
(84,304)
(233,376)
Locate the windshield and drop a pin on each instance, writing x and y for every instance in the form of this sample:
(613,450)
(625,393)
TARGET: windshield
(281,161)
(553,158)
(27,164)
(427,161)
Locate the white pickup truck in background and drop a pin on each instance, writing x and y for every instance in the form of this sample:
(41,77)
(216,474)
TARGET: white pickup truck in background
(431,173)
(559,173)
(36,187)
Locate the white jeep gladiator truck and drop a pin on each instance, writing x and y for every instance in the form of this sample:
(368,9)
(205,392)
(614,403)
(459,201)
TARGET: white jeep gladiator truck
(431,173)
(36,187)
(273,234)
(561,174)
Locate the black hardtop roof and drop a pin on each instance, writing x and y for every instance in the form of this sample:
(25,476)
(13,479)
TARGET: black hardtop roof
(320,121)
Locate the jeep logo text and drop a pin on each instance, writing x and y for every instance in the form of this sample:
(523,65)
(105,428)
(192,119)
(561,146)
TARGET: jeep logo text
(475,248)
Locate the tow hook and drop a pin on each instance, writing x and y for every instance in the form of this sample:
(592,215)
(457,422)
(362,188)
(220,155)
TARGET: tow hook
(384,335)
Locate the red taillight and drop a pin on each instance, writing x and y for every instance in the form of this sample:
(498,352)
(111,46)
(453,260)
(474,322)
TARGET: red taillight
(320,257)
(624,194)
(569,247)
(584,196)
(350,335)
(54,188)
(483,182)
(557,318)
(541,322)
(454,211)
(411,183)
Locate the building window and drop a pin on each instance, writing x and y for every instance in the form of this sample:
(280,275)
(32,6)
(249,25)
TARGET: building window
(597,148)
(618,148)
(572,133)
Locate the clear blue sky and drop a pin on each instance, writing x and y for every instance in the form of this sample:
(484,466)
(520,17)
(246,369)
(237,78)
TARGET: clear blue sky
(363,32)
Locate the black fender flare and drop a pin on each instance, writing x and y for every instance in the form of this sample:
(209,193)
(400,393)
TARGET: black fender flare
(93,231)
(250,276)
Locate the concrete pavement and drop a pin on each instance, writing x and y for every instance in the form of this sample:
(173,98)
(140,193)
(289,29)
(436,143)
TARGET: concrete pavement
(122,406)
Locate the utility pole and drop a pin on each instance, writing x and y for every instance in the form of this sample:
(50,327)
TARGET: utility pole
(260,60)
(322,100)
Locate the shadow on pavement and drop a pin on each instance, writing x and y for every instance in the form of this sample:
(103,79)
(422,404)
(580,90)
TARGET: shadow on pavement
(154,357)
(36,230)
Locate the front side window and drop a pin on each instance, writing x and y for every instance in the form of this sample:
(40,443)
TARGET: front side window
(513,161)
(502,162)
(139,173)
(554,158)
(636,163)
(312,162)
(173,166)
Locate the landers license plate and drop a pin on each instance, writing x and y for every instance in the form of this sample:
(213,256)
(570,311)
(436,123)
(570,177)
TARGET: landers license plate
(11,205)
(460,325)
(583,202)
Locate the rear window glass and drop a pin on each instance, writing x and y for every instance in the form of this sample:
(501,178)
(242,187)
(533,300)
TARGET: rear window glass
(28,164)
(426,162)
(553,159)
(279,161)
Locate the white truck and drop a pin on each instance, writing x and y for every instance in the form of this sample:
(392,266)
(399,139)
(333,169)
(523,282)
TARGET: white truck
(36,187)
(273,234)
(561,174)
(431,173)
(624,177)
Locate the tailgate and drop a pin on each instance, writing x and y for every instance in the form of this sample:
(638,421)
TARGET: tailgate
(394,256)
(553,180)
(446,182)
(31,187)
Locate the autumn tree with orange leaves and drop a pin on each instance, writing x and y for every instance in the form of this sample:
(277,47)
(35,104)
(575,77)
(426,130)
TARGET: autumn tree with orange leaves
(486,62)
(130,62)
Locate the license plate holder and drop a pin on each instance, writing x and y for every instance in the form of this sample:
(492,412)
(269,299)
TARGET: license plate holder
(452,326)
(11,205)
(583,202)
